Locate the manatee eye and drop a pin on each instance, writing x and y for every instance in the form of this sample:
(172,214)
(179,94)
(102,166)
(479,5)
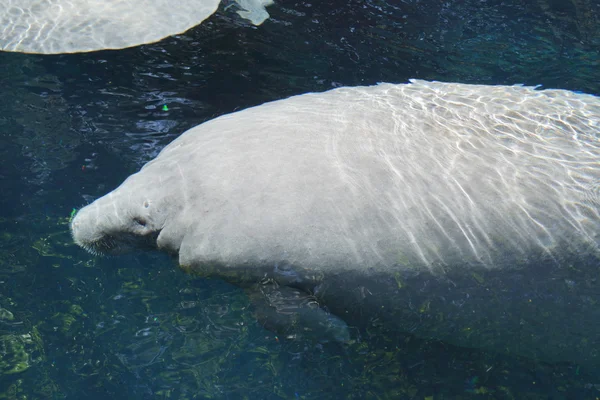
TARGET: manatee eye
(140,221)
(146,204)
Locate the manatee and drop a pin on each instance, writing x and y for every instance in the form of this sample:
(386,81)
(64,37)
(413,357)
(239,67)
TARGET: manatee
(70,26)
(463,213)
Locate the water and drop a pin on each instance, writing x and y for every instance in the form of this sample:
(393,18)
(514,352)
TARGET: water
(72,127)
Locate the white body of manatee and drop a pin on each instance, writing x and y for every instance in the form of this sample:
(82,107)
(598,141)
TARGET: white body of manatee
(465,213)
(71,26)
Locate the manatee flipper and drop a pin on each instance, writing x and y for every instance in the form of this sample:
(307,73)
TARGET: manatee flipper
(293,313)
(254,10)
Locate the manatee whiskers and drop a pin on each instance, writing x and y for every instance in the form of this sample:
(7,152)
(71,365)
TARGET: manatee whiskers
(113,245)
(92,250)
(99,247)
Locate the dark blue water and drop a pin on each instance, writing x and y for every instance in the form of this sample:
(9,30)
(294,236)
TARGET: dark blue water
(72,127)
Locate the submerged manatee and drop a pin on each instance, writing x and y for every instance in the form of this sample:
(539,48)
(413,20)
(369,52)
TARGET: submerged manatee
(70,26)
(465,213)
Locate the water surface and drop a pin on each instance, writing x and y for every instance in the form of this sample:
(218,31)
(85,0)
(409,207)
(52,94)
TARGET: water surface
(73,127)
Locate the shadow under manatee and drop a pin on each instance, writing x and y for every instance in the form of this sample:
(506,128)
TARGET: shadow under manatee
(541,309)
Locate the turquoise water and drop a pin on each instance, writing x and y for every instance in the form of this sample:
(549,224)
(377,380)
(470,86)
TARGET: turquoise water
(73,127)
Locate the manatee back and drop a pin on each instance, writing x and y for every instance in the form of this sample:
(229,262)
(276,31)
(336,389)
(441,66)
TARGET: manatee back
(424,175)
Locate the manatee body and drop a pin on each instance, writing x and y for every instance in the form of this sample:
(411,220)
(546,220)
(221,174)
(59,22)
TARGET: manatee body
(71,26)
(465,213)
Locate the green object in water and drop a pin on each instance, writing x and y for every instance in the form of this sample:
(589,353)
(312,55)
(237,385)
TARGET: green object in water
(165,108)
(73,212)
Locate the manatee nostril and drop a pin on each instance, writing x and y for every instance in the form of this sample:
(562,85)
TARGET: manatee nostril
(140,221)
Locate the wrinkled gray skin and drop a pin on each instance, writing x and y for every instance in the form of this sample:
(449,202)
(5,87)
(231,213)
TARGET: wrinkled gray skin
(457,212)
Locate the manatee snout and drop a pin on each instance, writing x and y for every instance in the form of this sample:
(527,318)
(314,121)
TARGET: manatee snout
(104,227)
(88,231)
